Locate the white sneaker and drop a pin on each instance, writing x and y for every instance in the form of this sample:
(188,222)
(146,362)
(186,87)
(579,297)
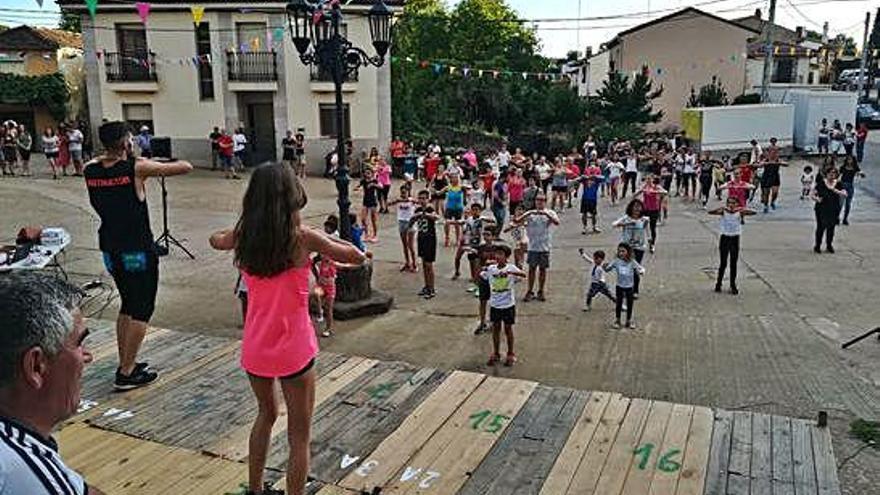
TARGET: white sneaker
(587,308)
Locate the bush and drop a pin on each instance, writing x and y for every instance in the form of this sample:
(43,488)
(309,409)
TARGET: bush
(747,99)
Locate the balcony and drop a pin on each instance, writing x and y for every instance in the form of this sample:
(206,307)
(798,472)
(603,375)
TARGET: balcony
(322,80)
(131,72)
(252,71)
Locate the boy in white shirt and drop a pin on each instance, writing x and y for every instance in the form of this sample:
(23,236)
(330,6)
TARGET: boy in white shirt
(808,178)
(597,278)
(501,276)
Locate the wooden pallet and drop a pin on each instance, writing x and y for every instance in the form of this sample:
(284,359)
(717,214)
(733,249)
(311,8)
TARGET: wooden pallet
(411,430)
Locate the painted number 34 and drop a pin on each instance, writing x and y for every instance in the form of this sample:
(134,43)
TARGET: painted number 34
(666,463)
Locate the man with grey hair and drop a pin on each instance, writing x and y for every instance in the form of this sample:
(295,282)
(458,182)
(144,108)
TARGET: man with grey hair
(41,362)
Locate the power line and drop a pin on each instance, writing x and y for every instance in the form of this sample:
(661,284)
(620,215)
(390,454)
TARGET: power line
(802,15)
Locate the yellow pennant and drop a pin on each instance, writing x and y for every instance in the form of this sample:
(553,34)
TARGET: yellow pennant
(197,12)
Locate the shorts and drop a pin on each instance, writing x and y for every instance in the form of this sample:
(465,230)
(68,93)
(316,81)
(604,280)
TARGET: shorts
(503,315)
(426,247)
(559,188)
(588,207)
(51,155)
(403,226)
(25,154)
(540,259)
(136,275)
(483,289)
(329,291)
(305,369)
(453,213)
(76,155)
(771,180)
(288,156)
(226,161)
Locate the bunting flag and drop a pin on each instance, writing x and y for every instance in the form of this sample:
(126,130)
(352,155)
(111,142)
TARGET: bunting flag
(143,9)
(279,34)
(40,3)
(92,5)
(197,13)
(255,44)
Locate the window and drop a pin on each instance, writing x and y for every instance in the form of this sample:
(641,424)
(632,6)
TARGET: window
(327,120)
(131,40)
(137,115)
(252,37)
(205,71)
(131,43)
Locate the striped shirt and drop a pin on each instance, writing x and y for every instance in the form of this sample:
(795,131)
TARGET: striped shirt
(31,464)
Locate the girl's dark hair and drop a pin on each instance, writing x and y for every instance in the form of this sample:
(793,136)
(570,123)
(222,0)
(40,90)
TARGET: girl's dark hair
(632,204)
(265,234)
(625,246)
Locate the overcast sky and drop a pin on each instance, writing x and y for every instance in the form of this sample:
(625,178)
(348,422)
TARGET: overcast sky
(559,37)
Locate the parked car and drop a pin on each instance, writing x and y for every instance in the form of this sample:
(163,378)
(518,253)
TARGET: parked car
(867,114)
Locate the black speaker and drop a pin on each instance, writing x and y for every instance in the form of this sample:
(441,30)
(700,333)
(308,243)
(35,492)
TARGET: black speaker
(161,147)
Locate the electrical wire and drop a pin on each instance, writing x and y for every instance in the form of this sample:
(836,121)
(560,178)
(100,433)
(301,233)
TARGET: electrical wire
(802,15)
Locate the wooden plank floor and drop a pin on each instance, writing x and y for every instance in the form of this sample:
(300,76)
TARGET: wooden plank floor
(410,430)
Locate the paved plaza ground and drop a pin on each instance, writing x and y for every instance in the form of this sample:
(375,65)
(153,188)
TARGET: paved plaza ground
(774,348)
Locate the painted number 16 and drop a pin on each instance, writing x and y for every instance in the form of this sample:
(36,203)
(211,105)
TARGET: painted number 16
(666,463)
(494,425)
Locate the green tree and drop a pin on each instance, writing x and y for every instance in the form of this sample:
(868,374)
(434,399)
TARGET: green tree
(622,108)
(710,95)
(70,21)
(474,35)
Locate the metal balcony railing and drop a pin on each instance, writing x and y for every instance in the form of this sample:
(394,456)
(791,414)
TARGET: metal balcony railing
(252,66)
(121,67)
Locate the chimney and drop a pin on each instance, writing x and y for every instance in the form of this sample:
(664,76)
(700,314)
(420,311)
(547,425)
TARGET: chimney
(758,13)
(799,33)
(589,52)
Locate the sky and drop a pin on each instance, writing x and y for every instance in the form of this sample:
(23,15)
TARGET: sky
(558,38)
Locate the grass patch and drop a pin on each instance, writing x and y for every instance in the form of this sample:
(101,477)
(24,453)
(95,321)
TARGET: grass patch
(866,431)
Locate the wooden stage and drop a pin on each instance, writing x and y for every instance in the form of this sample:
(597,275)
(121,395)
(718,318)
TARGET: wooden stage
(393,428)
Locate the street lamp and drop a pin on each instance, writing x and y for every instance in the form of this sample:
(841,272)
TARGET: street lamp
(316,26)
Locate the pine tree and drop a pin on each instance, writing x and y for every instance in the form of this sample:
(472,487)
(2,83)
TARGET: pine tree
(710,95)
(621,109)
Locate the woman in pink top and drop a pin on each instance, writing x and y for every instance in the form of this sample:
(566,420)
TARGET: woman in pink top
(272,251)
(383,176)
(652,199)
(516,187)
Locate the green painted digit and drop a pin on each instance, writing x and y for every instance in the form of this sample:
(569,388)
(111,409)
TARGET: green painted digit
(497,423)
(478,418)
(666,464)
(645,452)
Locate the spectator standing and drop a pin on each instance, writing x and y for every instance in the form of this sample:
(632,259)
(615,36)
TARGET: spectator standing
(214,137)
(861,138)
(25,142)
(239,143)
(144,142)
(75,140)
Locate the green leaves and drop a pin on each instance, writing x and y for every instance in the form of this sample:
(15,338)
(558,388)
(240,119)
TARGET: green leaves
(49,91)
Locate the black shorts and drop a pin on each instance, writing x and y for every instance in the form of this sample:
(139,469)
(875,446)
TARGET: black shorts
(296,374)
(136,275)
(453,214)
(483,289)
(51,154)
(588,207)
(288,156)
(559,188)
(426,247)
(771,180)
(25,154)
(506,315)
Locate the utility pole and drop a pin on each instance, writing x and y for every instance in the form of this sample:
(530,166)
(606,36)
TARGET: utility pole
(825,69)
(863,71)
(768,55)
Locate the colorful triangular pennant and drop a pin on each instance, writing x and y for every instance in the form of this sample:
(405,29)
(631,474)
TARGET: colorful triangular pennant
(143,9)
(197,13)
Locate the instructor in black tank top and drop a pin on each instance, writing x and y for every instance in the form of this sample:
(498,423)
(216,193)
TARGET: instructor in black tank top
(116,184)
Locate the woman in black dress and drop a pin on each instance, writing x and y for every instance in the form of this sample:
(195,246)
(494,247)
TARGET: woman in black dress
(829,195)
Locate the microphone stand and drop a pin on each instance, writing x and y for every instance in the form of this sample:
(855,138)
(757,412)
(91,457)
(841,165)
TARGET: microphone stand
(167,238)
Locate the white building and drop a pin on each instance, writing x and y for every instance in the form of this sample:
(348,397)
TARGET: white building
(231,70)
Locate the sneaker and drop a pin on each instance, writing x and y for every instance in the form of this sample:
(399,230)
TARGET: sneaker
(493,360)
(734,290)
(587,308)
(529,296)
(597,230)
(541,297)
(766,209)
(817,249)
(830,249)
(717,287)
(138,367)
(511,359)
(845,222)
(267,490)
(651,248)
(630,325)
(424,291)
(636,296)
(136,379)
(773,206)
(584,231)
(327,333)
(617,324)
(430,294)
(456,275)
(481,329)
(472,288)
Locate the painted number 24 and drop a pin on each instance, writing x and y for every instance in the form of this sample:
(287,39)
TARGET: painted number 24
(666,463)
(493,426)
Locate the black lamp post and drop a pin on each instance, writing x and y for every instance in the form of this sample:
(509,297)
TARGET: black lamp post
(317,24)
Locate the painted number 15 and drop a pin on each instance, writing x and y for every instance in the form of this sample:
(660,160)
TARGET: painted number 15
(478,421)
(666,463)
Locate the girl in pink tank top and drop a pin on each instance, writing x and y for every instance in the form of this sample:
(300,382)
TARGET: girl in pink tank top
(272,251)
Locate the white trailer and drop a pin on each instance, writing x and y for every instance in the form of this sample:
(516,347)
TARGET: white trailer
(733,127)
(810,107)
